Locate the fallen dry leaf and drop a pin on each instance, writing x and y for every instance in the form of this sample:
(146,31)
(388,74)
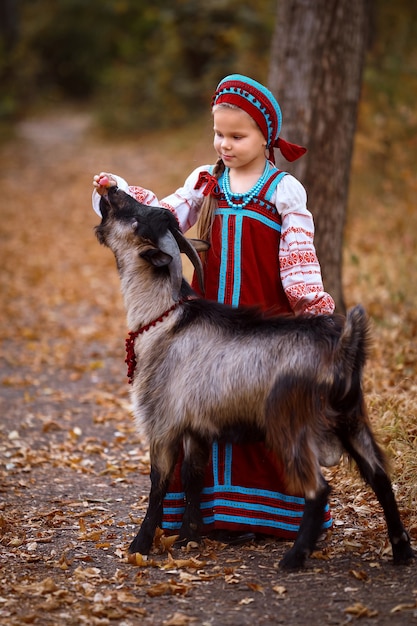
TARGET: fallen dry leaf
(360,610)
(246,601)
(141,560)
(191,563)
(126,596)
(43,587)
(168,588)
(359,574)
(165,542)
(256,587)
(403,607)
(87,573)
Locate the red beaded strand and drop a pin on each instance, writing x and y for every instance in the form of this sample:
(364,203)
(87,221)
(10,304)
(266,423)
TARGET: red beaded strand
(130,359)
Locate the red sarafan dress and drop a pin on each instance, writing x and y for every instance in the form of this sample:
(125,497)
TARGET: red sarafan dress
(261,254)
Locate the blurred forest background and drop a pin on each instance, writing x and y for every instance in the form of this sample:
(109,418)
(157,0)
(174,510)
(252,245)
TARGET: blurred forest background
(142,64)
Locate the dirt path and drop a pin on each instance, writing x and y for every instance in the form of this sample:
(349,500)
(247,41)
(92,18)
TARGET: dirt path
(74,474)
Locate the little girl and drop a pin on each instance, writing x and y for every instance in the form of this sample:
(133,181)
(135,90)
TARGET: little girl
(262,253)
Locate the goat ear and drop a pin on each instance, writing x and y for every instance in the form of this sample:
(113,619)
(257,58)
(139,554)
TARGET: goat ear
(167,254)
(156,257)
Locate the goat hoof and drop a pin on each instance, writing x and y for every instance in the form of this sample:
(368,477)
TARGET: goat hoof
(403,554)
(139,545)
(292,560)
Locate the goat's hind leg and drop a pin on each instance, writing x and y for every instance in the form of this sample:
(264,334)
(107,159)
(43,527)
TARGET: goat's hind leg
(196,457)
(370,460)
(310,530)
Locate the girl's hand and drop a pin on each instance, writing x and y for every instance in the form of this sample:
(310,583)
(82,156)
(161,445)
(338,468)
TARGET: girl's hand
(102,181)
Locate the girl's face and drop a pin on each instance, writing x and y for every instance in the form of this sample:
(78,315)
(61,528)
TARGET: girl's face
(238,140)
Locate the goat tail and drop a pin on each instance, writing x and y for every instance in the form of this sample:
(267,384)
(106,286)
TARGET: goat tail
(352,351)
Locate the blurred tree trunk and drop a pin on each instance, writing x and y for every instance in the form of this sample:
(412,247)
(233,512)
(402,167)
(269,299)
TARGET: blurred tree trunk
(317,59)
(9,23)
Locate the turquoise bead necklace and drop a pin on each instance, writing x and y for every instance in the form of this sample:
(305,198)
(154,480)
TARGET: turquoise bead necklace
(240,200)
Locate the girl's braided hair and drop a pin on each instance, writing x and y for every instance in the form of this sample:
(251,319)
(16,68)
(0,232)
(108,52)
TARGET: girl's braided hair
(205,220)
(206,217)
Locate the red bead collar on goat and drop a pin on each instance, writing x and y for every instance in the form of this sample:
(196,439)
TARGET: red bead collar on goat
(130,359)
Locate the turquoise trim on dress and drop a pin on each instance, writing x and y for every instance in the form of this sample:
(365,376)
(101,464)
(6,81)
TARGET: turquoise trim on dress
(239,506)
(251,214)
(272,187)
(249,491)
(237,265)
(228,456)
(215,462)
(252,521)
(223,261)
(237,519)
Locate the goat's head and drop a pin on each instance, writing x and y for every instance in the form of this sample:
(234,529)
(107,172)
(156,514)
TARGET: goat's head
(151,231)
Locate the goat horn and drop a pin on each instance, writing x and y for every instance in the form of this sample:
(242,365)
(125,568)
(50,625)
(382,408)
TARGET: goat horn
(188,249)
(168,245)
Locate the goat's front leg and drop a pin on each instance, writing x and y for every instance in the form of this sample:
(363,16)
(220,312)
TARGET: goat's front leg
(309,532)
(143,541)
(196,457)
(163,457)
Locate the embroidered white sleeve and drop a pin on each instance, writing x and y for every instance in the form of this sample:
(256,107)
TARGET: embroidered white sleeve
(186,201)
(145,196)
(300,269)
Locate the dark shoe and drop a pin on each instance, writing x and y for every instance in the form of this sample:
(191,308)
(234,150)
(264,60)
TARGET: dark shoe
(232,538)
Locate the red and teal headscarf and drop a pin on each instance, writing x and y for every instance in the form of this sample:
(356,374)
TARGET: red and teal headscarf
(262,106)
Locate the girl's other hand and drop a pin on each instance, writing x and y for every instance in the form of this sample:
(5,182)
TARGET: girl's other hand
(102,181)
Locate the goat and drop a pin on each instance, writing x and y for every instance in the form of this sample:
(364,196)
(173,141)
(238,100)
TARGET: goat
(207,369)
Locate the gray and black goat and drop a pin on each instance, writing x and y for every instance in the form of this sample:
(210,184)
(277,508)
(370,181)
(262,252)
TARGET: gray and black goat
(207,370)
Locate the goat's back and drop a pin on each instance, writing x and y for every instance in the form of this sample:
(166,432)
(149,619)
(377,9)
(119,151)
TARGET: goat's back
(217,365)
